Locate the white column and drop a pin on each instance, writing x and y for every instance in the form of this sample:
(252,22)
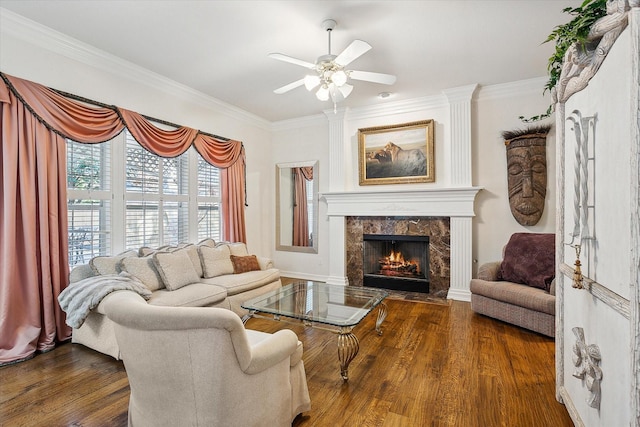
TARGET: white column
(460,270)
(337,154)
(461,176)
(460,122)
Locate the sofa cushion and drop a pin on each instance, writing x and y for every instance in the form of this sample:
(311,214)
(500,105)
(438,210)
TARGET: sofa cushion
(175,268)
(237,283)
(215,261)
(110,264)
(144,269)
(529,259)
(242,264)
(194,295)
(515,294)
(194,256)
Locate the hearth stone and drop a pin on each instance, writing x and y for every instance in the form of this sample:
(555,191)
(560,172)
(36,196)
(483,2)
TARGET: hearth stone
(436,228)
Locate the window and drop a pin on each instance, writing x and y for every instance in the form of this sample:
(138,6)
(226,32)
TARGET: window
(208,200)
(121,196)
(88,200)
(157,196)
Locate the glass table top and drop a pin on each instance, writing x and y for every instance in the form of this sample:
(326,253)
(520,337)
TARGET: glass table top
(320,302)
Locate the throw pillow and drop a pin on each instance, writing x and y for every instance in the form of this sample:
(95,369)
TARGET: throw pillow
(529,259)
(242,264)
(103,265)
(194,256)
(207,242)
(238,249)
(215,261)
(175,268)
(145,270)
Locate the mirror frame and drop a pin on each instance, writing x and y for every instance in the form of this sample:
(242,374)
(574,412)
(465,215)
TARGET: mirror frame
(305,249)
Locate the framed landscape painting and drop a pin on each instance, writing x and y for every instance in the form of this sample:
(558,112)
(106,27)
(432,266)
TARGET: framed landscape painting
(396,154)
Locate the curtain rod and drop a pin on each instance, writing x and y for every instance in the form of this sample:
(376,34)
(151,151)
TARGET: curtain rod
(113,107)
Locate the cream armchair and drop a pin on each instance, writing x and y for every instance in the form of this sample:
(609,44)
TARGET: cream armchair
(199,366)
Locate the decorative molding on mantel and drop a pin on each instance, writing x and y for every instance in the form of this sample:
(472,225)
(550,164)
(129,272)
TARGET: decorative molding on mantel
(449,202)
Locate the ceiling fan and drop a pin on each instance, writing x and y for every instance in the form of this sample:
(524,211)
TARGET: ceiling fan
(331,75)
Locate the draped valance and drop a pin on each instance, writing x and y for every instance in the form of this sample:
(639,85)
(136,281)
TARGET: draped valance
(90,124)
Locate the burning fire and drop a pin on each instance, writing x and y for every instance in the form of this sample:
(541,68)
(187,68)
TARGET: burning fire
(395,265)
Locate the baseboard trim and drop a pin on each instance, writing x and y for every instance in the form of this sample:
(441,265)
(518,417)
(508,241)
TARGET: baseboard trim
(459,295)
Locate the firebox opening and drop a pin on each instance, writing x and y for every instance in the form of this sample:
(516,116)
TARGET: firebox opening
(397,262)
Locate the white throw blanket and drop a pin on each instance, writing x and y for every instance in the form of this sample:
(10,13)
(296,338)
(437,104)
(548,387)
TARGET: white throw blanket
(79,298)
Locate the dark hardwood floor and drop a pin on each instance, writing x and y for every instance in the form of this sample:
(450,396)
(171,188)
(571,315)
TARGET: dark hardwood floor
(434,365)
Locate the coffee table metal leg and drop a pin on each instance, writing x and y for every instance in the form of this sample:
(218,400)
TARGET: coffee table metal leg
(248,316)
(382,314)
(348,347)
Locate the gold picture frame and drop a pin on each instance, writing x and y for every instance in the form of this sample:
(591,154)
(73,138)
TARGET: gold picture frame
(397,154)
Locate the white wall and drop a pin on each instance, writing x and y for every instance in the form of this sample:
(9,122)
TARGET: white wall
(46,57)
(298,141)
(496,110)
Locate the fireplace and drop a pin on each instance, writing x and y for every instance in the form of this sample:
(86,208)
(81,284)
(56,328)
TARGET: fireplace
(396,262)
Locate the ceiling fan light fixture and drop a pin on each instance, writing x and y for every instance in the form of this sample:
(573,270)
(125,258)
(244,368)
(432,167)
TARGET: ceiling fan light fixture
(331,74)
(339,78)
(311,82)
(345,90)
(323,93)
(339,94)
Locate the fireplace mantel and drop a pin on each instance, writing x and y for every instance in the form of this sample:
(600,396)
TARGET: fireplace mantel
(454,202)
(452,197)
(450,202)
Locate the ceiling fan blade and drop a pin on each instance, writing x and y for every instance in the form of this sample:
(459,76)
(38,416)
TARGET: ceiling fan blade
(290,86)
(385,79)
(352,52)
(292,60)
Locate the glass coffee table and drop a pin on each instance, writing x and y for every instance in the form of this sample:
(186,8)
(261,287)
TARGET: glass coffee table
(316,304)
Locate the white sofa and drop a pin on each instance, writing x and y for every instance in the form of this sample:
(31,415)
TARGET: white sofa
(193,275)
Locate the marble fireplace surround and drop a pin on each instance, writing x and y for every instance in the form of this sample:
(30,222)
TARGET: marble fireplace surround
(436,206)
(437,229)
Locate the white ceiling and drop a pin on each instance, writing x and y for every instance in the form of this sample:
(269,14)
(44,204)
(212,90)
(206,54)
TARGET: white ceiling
(220,48)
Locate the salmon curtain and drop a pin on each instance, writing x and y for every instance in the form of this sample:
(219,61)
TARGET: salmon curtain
(35,122)
(300,211)
(33,233)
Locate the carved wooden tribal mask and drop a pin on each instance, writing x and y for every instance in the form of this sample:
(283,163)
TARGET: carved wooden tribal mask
(527,173)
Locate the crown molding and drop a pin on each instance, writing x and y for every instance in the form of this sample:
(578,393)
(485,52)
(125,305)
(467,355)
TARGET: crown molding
(508,90)
(39,35)
(299,122)
(398,107)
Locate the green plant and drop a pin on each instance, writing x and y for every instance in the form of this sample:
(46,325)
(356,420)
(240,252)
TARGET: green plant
(565,35)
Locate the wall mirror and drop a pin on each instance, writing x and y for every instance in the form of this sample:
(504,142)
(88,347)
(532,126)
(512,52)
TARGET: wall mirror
(297,207)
